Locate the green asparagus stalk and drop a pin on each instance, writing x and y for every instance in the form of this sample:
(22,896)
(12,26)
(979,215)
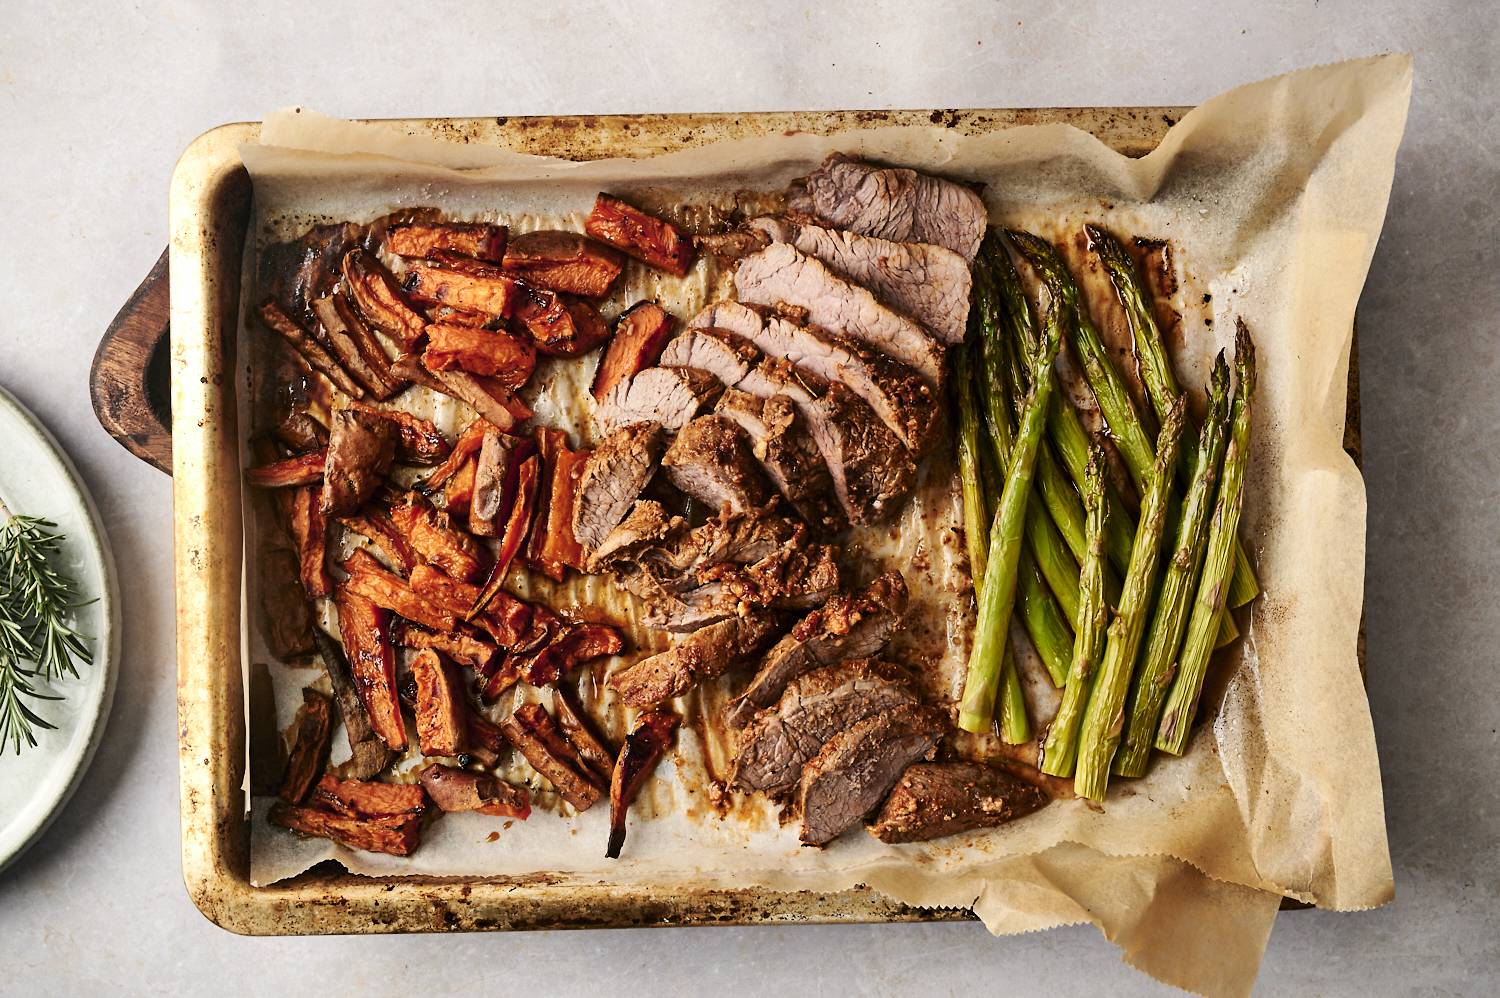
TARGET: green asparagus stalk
(1059,753)
(1218,561)
(997,599)
(1165,636)
(1157,374)
(1104,717)
(1064,426)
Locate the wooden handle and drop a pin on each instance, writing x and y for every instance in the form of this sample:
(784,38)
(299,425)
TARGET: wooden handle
(131,381)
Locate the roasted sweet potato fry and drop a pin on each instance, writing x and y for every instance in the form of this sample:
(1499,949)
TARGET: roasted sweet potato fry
(498,681)
(461,283)
(364,628)
(373,290)
(640,334)
(369,580)
(564,261)
(458,494)
(553,549)
(309,348)
(367,753)
(522,506)
(645,237)
(309,753)
(480,240)
(459,790)
(644,746)
(429,534)
(465,649)
(375,378)
(489,483)
(550,755)
(361,449)
(309,532)
(507,619)
(580,732)
(441,729)
(573,647)
(418,440)
(466,446)
(369,798)
(560,326)
(284,607)
(462,385)
(369,345)
(377,528)
(487,742)
(488,353)
(301,469)
(395,835)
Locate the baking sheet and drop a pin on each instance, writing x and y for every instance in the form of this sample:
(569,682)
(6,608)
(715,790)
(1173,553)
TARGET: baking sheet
(1273,195)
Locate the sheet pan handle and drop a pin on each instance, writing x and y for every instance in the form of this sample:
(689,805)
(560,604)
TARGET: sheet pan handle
(130,382)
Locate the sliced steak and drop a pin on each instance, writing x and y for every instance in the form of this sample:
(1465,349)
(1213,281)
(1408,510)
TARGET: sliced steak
(851,626)
(791,460)
(890,203)
(904,403)
(923,281)
(934,799)
(857,767)
(792,578)
(779,274)
(704,654)
(361,448)
(650,538)
(612,477)
(711,461)
(721,353)
(774,746)
(671,396)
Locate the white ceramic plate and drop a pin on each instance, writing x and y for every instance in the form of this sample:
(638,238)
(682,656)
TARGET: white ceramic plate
(37,479)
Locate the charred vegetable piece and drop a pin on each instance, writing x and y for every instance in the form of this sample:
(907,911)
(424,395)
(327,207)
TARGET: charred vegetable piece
(436,541)
(377,528)
(645,237)
(303,469)
(459,790)
(374,377)
(361,449)
(644,746)
(570,649)
(522,500)
(369,798)
(499,410)
(490,471)
(309,532)
(370,348)
(536,737)
(578,730)
(394,835)
(506,619)
(560,326)
(564,261)
(553,548)
(418,440)
(458,494)
(368,754)
(373,290)
(466,446)
(480,240)
(465,649)
(489,353)
(365,629)
(640,334)
(441,725)
(467,285)
(310,349)
(369,580)
(309,753)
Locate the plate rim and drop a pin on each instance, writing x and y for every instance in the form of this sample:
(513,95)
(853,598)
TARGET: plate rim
(15,841)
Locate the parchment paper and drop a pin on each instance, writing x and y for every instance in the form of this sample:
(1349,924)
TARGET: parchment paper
(1272,196)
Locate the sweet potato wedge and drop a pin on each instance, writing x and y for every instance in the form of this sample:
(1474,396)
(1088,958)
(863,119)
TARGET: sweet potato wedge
(394,835)
(369,580)
(577,728)
(559,325)
(458,494)
(374,292)
(430,536)
(369,798)
(520,495)
(316,355)
(309,533)
(640,334)
(534,734)
(480,240)
(465,649)
(489,482)
(364,628)
(498,681)
(573,647)
(564,261)
(309,753)
(361,449)
(441,728)
(375,378)
(461,283)
(377,528)
(367,753)
(461,385)
(368,344)
(647,238)
(647,742)
(301,469)
(460,790)
(466,446)
(488,353)
(553,548)
(506,619)
(418,440)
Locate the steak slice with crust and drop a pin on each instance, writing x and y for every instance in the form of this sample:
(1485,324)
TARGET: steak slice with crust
(850,775)
(721,353)
(710,460)
(903,402)
(850,626)
(671,396)
(614,474)
(892,203)
(779,274)
(790,578)
(704,654)
(934,799)
(773,747)
(791,460)
(923,281)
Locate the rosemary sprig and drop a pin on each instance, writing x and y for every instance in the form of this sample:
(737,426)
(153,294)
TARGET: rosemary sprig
(38,643)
